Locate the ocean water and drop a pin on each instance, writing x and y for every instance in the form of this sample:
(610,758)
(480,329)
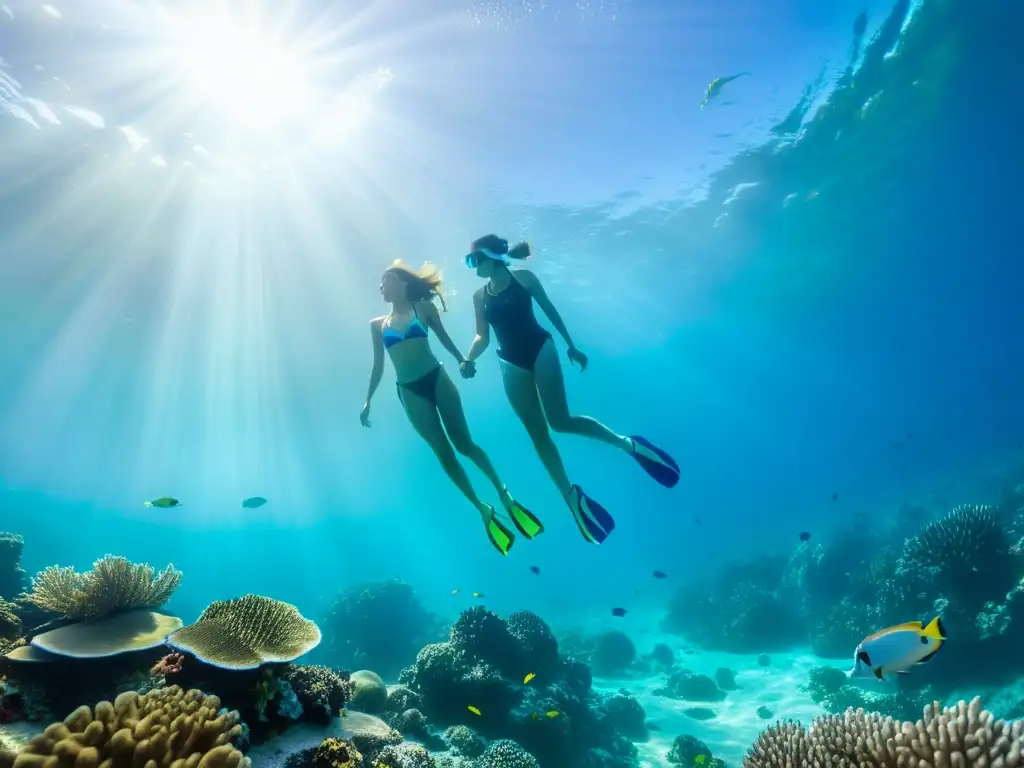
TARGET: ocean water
(807,291)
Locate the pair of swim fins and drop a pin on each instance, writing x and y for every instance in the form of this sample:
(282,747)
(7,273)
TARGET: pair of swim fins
(501,537)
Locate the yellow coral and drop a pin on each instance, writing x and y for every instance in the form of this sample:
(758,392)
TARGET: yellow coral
(113,584)
(247,632)
(165,727)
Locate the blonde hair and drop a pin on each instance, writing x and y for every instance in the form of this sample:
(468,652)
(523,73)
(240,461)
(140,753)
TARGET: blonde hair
(423,284)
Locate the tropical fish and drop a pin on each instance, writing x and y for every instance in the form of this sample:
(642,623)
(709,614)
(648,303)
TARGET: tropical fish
(660,575)
(716,85)
(528,678)
(164,502)
(805,536)
(699,759)
(473,709)
(455,591)
(898,648)
(478,594)
(343,712)
(254,502)
(618,612)
(535,569)
(835,497)
(535,715)
(551,713)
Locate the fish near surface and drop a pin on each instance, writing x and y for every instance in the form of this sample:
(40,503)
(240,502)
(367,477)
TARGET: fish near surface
(896,649)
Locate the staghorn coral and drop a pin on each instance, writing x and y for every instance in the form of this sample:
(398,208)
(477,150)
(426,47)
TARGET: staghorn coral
(165,727)
(960,736)
(113,584)
(246,633)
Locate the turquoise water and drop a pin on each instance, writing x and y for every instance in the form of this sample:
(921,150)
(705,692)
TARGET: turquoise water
(806,289)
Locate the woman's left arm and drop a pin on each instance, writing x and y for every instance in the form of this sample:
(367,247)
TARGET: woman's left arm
(428,310)
(532,283)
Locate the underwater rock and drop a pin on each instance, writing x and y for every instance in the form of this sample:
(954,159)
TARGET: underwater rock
(764,660)
(663,655)
(627,715)
(700,713)
(379,625)
(369,734)
(369,694)
(246,633)
(684,684)
(685,748)
(613,652)
(725,679)
(824,681)
(401,698)
(765,713)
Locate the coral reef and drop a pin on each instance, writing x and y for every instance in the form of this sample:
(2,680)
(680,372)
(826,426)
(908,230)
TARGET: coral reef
(831,688)
(322,691)
(612,653)
(465,741)
(113,584)
(359,628)
(164,727)
(505,753)
(685,749)
(10,622)
(246,633)
(960,735)
(13,579)
(684,684)
(862,577)
(556,718)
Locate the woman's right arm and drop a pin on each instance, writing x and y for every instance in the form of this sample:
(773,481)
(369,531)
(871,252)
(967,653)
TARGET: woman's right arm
(483,330)
(378,359)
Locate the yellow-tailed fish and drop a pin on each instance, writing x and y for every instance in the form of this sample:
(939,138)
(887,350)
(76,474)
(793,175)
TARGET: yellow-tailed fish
(715,87)
(552,713)
(478,594)
(896,649)
(535,715)
(473,709)
(528,678)
(699,759)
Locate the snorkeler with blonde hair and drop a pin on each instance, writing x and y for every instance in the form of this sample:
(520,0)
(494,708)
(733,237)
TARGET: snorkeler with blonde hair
(429,396)
(532,376)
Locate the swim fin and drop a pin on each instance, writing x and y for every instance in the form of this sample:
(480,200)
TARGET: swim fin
(523,519)
(593,520)
(655,462)
(501,537)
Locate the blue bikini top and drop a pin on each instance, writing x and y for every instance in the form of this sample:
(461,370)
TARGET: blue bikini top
(415,330)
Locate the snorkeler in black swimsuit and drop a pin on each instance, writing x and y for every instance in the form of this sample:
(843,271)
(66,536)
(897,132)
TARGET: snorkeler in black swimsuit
(532,376)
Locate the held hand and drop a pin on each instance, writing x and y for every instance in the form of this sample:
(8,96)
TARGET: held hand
(468,369)
(364,415)
(575,356)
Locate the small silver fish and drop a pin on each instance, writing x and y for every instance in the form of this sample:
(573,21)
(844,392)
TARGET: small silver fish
(896,649)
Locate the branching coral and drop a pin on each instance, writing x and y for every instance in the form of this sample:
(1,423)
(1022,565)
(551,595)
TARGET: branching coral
(961,735)
(10,624)
(165,727)
(113,584)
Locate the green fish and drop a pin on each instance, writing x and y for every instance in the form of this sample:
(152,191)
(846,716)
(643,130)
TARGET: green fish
(716,85)
(164,502)
(254,502)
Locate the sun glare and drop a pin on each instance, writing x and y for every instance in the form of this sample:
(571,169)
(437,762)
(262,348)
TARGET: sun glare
(243,73)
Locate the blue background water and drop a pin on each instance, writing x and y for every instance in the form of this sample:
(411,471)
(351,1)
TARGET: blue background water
(161,336)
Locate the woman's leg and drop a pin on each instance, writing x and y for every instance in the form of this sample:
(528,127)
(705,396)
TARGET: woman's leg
(522,395)
(551,386)
(423,415)
(449,406)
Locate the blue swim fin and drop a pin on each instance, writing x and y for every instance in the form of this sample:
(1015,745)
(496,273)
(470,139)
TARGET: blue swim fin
(655,462)
(593,520)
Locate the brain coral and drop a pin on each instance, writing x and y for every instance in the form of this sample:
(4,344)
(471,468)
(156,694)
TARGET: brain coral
(165,727)
(960,736)
(246,633)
